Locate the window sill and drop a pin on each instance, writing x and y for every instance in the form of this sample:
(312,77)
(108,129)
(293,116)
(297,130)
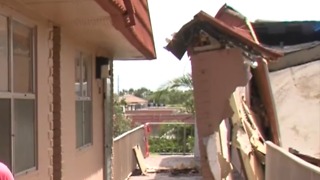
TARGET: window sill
(31,171)
(84,148)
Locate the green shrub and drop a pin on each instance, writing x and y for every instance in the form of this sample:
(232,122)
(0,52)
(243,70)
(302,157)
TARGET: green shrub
(169,139)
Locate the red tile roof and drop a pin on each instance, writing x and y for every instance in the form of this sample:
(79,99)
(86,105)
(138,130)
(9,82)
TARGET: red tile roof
(131,99)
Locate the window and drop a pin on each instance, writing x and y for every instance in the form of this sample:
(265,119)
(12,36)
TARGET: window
(83,100)
(17,96)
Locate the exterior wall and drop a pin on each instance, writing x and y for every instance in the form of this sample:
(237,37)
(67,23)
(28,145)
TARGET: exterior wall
(85,163)
(297,97)
(44,94)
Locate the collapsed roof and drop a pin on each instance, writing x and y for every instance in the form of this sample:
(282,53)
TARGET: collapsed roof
(287,33)
(225,35)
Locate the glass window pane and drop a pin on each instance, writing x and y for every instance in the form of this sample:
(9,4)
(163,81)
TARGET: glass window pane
(5,129)
(87,122)
(86,75)
(77,76)
(4,66)
(79,123)
(24,139)
(22,58)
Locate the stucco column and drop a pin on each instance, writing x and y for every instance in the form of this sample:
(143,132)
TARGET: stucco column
(215,74)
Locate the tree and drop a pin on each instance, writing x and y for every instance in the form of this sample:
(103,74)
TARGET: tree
(183,82)
(142,92)
(183,85)
(121,123)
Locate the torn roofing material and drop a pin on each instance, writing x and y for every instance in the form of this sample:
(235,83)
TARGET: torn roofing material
(296,55)
(287,32)
(222,32)
(234,19)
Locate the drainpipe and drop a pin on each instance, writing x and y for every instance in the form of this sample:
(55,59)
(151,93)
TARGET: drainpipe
(56,102)
(108,122)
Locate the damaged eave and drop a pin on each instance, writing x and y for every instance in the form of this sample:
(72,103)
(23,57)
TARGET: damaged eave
(132,19)
(224,34)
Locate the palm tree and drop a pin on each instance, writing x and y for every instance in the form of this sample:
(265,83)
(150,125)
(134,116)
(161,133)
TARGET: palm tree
(183,83)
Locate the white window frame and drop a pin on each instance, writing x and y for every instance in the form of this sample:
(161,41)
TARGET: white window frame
(11,95)
(84,98)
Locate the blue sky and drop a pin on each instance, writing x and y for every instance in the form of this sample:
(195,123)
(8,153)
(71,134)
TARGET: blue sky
(167,17)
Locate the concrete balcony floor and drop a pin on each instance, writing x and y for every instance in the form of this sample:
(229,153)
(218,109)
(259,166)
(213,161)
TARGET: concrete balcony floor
(169,161)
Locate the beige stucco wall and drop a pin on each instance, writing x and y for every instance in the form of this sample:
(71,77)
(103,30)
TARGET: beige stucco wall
(86,163)
(42,87)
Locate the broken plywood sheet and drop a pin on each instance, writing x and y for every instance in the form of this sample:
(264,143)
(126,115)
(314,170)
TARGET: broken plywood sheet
(140,159)
(216,75)
(296,92)
(279,160)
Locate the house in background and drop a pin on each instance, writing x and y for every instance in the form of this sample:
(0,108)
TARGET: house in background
(141,111)
(133,103)
(56,78)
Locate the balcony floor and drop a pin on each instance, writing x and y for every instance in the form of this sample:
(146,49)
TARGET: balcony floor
(169,161)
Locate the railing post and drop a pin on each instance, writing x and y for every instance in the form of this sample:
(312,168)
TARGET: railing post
(184,139)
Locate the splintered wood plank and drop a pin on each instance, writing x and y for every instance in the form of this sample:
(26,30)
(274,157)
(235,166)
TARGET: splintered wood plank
(252,166)
(140,159)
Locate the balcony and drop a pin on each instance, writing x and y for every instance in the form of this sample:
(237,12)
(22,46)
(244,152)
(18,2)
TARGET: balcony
(171,164)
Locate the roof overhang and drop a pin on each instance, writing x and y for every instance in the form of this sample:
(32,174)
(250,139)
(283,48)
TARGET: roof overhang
(296,55)
(224,34)
(122,28)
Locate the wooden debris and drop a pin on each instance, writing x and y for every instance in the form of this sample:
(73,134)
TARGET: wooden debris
(140,159)
(252,166)
(256,139)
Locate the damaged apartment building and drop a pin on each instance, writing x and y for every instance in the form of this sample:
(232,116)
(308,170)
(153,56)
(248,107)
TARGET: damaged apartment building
(256,95)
